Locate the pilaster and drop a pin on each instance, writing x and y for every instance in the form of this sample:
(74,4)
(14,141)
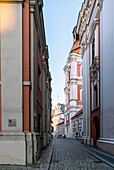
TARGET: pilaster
(73,65)
(11,66)
(44,99)
(32,54)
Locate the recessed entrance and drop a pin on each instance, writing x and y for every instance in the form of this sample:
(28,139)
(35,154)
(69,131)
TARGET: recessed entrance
(96,131)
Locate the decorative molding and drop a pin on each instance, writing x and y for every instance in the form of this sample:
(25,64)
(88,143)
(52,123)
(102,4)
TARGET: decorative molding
(88,32)
(77,79)
(99,3)
(32,4)
(44,64)
(93,27)
(86,13)
(94,69)
(26,83)
(73,58)
(39,102)
(73,81)
(75,54)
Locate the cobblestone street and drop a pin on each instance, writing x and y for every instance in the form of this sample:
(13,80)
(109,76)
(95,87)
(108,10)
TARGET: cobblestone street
(69,156)
(64,154)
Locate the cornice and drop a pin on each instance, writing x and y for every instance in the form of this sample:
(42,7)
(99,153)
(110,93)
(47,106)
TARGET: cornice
(75,54)
(32,4)
(75,79)
(66,67)
(76,100)
(83,25)
(73,82)
(73,107)
(86,13)
(93,27)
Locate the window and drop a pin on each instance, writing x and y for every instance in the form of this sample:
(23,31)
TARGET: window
(35,124)
(68,97)
(74,37)
(80,120)
(67,117)
(69,75)
(95,96)
(93,49)
(77,36)
(39,77)
(39,122)
(81,94)
(39,45)
(81,71)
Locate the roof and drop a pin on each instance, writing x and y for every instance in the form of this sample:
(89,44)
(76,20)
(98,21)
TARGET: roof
(78,113)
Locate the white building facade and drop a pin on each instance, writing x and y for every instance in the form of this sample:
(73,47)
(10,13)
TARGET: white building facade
(73,86)
(77,124)
(95,26)
(60,130)
(57,118)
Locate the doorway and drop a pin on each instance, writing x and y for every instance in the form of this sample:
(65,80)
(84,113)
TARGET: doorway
(96,129)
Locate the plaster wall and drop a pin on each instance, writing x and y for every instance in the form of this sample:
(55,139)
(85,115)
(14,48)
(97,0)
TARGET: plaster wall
(73,67)
(88,94)
(12,149)
(107,67)
(84,94)
(11,67)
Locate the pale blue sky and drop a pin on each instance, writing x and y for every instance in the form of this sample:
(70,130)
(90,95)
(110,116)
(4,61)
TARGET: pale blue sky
(60,17)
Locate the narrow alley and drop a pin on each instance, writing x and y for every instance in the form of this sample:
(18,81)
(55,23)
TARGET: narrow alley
(68,154)
(56,85)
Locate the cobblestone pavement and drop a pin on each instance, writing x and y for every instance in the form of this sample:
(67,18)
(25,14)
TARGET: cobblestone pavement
(106,157)
(46,156)
(69,156)
(14,167)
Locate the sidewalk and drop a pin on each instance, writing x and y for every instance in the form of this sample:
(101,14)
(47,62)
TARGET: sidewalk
(46,156)
(103,156)
(42,164)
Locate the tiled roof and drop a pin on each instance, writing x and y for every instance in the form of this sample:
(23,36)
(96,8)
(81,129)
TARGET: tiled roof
(78,113)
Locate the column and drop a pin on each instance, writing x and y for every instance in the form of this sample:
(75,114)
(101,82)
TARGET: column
(0,74)
(11,84)
(97,38)
(26,67)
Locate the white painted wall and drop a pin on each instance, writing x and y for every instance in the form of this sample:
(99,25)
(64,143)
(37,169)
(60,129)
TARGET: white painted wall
(11,66)
(107,69)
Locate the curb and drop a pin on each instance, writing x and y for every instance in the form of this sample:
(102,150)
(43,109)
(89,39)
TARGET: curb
(49,160)
(107,162)
(50,157)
